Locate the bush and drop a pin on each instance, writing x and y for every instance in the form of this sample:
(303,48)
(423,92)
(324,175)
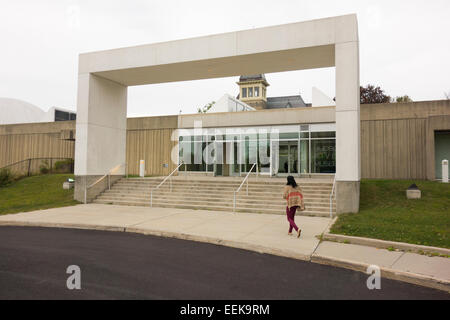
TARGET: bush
(5,177)
(44,167)
(64,166)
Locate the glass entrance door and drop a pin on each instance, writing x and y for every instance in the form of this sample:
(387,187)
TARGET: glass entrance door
(285,158)
(235,167)
(293,157)
(226,159)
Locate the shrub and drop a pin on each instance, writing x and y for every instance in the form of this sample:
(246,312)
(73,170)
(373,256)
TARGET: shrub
(64,166)
(5,177)
(44,167)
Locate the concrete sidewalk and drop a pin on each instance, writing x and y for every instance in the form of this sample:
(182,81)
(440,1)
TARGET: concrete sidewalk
(260,232)
(263,233)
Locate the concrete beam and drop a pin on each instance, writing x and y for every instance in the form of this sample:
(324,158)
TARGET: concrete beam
(259,118)
(295,46)
(348,136)
(100,129)
(104,76)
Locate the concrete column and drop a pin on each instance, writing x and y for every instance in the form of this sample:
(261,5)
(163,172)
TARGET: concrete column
(348,159)
(100,131)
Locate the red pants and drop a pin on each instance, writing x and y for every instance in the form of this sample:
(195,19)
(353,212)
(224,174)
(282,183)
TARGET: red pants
(290,216)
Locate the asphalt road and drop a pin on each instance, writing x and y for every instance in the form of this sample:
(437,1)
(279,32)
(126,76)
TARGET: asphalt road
(118,265)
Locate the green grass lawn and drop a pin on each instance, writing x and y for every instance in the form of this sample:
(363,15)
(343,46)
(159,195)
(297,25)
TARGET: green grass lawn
(386,214)
(35,193)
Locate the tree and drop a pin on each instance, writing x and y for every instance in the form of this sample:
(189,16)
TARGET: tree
(372,94)
(404,98)
(447,95)
(206,108)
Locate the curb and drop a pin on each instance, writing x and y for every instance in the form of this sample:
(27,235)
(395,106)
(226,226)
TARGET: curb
(387,273)
(166,234)
(413,278)
(383,244)
(222,242)
(62,225)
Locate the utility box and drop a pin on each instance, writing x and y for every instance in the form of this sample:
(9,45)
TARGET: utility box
(445,171)
(142,168)
(413,192)
(69,184)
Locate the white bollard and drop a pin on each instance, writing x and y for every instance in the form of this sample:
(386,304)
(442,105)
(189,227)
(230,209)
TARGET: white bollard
(142,168)
(445,171)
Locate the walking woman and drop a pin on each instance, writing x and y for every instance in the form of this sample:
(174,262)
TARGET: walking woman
(294,197)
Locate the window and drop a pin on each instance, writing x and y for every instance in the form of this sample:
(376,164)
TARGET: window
(304,127)
(323,156)
(305,151)
(64,116)
(288,135)
(324,134)
(61,115)
(244,92)
(256,91)
(304,156)
(250,92)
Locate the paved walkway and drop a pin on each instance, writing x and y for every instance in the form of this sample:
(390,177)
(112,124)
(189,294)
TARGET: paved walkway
(259,232)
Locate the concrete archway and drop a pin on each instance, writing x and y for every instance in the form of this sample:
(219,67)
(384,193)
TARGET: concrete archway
(104,76)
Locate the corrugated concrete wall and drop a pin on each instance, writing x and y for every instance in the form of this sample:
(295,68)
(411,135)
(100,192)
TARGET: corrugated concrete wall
(38,140)
(394,138)
(393,149)
(150,139)
(147,138)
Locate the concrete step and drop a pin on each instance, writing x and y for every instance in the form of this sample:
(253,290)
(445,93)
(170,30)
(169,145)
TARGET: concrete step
(223,202)
(217,194)
(171,197)
(203,195)
(214,208)
(231,185)
(211,187)
(234,187)
(222,182)
(183,190)
(212,200)
(214,190)
(176,190)
(239,197)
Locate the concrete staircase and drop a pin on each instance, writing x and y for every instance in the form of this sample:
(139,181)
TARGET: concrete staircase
(208,193)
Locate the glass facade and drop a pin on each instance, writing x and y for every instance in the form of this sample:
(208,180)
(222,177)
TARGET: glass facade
(64,115)
(277,150)
(323,156)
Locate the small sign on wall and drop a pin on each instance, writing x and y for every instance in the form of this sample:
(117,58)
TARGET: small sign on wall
(165,165)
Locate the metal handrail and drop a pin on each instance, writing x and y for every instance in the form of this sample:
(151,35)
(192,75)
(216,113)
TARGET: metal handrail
(28,159)
(331,197)
(165,179)
(108,174)
(243,181)
(31,159)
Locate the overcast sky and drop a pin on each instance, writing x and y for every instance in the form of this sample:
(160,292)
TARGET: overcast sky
(404,46)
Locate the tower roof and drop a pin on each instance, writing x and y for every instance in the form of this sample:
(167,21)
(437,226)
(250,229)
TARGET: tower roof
(254,77)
